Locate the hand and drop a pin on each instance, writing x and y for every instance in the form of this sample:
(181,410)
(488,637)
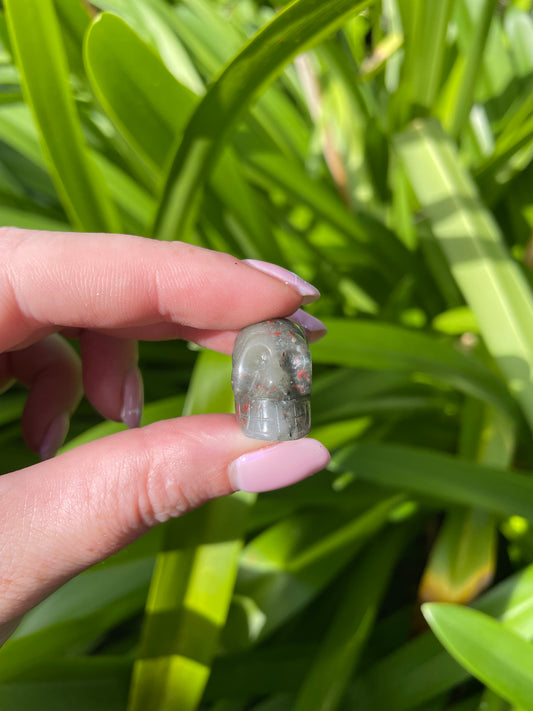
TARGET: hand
(71,511)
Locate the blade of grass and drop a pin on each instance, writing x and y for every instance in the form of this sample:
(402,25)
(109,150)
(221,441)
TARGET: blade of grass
(301,24)
(37,43)
(491,282)
(17,129)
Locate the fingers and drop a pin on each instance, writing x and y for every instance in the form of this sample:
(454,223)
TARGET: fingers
(51,370)
(111,378)
(223,341)
(216,340)
(86,504)
(50,280)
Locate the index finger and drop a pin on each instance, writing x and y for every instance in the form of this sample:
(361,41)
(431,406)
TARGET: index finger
(110,281)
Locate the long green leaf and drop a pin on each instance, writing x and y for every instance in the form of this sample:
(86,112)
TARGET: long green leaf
(77,614)
(301,24)
(497,656)
(463,558)
(382,346)
(354,618)
(285,568)
(491,281)
(144,100)
(413,674)
(470,75)
(440,477)
(421,669)
(40,55)
(151,107)
(192,584)
(425,26)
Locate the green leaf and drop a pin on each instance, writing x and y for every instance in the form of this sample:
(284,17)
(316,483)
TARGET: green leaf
(85,683)
(425,27)
(301,24)
(150,107)
(382,346)
(354,618)
(463,558)
(440,477)
(497,656)
(192,584)
(369,240)
(37,43)
(421,669)
(77,614)
(17,129)
(284,568)
(349,392)
(491,281)
(140,95)
(465,91)
(519,29)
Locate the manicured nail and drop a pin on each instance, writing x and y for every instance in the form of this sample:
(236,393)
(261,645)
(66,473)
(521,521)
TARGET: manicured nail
(314,328)
(278,466)
(54,436)
(132,398)
(309,292)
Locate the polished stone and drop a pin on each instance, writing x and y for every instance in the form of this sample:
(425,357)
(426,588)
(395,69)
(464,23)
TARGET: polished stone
(271,380)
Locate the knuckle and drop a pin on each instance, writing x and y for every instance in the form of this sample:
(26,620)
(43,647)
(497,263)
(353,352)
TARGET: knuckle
(160,493)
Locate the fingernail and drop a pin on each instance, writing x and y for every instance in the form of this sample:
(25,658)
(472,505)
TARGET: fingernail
(309,292)
(132,398)
(278,466)
(314,328)
(54,436)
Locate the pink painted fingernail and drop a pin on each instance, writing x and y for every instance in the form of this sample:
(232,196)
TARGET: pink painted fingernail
(309,292)
(54,436)
(314,328)
(278,466)
(132,398)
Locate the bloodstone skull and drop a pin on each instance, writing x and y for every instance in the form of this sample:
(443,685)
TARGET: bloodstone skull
(271,380)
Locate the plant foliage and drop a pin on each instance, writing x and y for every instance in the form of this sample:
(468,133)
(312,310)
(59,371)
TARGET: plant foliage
(383,149)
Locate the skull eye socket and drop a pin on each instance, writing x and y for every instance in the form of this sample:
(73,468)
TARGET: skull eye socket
(292,359)
(257,357)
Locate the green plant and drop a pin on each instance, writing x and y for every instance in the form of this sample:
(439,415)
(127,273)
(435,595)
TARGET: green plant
(383,150)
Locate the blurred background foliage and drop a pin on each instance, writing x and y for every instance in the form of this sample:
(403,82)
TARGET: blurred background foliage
(383,150)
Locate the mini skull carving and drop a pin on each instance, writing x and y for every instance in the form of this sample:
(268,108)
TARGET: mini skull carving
(271,380)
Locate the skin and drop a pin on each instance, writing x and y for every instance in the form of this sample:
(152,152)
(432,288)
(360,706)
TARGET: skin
(69,512)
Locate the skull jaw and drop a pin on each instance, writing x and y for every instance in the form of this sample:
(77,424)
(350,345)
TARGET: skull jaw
(274,420)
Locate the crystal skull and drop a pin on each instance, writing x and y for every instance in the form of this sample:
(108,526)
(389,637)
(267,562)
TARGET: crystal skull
(271,380)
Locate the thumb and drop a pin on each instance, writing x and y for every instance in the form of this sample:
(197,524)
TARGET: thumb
(66,514)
